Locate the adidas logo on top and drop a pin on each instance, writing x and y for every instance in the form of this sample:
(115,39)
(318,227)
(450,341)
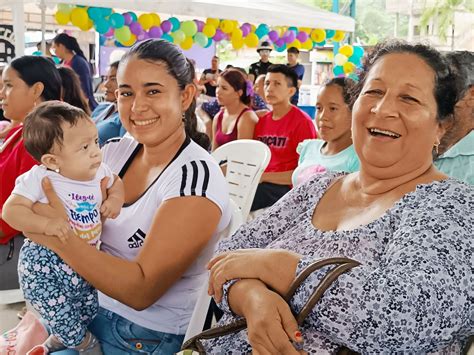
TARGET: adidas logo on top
(137,239)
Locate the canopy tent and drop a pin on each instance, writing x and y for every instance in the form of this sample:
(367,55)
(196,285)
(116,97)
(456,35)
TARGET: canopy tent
(273,13)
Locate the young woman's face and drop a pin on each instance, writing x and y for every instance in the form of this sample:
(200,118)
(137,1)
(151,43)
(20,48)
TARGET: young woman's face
(225,93)
(59,50)
(18,98)
(110,84)
(150,102)
(394,122)
(333,117)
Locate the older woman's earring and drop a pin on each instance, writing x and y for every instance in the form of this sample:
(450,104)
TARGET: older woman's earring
(183,117)
(56,170)
(435,147)
(372,110)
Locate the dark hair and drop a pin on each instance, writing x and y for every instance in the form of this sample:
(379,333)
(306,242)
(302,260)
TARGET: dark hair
(462,65)
(237,80)
(71,89)
(70,43)
(36,69)
(291,76)
(346,84)
(444,83)
(115,64)
(42,127)
(293,50)
(159,50)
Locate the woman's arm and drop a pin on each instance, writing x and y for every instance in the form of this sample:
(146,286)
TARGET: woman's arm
(167,252)
(246,125)
(280,178)
(214,130)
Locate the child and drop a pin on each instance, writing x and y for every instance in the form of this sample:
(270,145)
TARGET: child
(282,129)
(64,139)
(334,151)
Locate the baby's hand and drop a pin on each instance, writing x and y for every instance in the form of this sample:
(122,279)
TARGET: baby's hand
(59,228)
(111,207)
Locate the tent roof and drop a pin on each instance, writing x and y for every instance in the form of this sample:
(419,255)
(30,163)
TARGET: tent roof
(273,13)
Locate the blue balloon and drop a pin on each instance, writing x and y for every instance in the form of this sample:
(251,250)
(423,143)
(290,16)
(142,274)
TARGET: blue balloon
(330,33)
(282,48)
(354,59)
(338,70)
(167,37)
(209,43)
(134,16)
(175,22)
(95,13)
(118,44)
(102,40)
(102,26)
(359,51)
(116,20)
(354,77)
(322,43)
(294,29)
(106,11)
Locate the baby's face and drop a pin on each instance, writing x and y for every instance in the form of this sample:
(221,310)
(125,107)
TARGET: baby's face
(79,157)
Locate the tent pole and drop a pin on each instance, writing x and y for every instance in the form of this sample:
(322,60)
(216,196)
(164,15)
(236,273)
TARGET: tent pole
(18,11)
(43,26)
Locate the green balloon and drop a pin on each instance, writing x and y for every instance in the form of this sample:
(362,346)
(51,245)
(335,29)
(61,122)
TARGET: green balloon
(123,34)
(200,39)
(189,28)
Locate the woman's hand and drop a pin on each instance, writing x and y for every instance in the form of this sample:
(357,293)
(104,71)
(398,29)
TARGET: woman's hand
(274,267)
(270,324)
(54,208)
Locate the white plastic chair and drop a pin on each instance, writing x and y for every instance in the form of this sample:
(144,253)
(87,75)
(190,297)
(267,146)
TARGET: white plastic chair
(246,161)
(200,313)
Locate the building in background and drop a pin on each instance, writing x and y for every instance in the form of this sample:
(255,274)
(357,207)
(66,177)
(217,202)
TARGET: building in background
(461,37)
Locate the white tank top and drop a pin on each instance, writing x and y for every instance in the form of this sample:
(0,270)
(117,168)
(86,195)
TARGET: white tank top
(192,172)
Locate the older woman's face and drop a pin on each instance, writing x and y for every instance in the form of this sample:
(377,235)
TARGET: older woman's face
(394,118)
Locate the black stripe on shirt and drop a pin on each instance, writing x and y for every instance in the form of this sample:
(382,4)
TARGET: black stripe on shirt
(205,183)
(195,178)
(183,180)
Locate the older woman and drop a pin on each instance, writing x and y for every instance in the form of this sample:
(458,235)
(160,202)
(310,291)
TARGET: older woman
(410,227)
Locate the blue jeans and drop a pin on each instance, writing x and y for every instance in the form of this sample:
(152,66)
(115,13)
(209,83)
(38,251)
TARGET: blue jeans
(118,336)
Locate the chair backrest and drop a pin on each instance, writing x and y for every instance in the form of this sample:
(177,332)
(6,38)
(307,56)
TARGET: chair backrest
(246,162)
(202,310)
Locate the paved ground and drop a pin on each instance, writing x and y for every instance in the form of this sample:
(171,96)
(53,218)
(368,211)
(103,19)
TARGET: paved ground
(8,317)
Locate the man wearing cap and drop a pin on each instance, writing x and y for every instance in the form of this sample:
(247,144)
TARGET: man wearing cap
(292,55)
(261,67)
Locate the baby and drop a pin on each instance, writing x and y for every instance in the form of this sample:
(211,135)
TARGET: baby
(64,139)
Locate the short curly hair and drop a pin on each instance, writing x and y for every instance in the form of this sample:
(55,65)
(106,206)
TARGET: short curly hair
(445,91)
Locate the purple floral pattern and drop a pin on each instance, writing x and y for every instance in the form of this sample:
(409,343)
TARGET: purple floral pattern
(413,292)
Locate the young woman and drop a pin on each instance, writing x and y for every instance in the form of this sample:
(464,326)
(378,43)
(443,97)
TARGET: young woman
(28,81)
(334,150)
(236,120)
(67,49)
(151,265)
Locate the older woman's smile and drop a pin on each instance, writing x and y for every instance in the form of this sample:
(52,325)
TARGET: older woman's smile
(378,132)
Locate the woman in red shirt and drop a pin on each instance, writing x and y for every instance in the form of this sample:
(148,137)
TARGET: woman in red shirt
(28,80)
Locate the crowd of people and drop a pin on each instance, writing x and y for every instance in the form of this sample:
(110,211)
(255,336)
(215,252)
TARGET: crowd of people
(94,197)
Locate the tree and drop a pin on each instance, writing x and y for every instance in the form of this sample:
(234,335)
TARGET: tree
(442,14)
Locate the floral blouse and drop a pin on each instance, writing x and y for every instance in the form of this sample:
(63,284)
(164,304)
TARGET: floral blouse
(413,292)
